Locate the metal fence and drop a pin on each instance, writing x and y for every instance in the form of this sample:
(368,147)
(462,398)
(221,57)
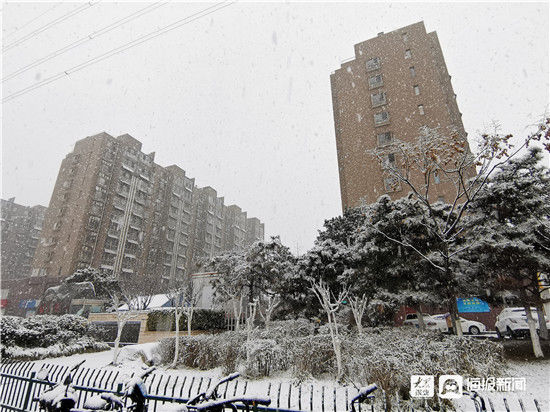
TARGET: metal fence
(19,385)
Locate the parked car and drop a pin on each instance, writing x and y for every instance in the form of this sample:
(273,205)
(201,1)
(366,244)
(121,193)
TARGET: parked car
(411,319)
(468,326)
(513,322)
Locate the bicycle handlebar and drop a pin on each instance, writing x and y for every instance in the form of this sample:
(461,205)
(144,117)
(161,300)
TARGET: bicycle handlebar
(364,393)
(227,378)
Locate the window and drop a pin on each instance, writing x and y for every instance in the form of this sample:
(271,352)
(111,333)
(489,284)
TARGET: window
(378,99)
(384,138)
(421,109)
(441,199)
(373,64)
(412,71)
(391,158)
(375,81)
(405,36)
(391,184)
(437,179)
(416,90)
(381,118)
(408,54)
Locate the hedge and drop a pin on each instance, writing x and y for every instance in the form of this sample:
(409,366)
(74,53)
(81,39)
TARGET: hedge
(203,319)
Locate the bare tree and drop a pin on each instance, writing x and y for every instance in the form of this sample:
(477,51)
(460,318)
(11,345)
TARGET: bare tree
(124,306)
(271,302)
(358,306)
(185,299)
(330,305)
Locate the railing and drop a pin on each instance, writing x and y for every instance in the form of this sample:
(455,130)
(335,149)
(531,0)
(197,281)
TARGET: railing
(19,385)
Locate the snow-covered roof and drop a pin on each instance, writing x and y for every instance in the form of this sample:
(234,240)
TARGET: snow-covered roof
(157,301)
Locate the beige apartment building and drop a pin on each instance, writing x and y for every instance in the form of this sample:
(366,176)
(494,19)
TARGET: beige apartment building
(115,209)
(395,84)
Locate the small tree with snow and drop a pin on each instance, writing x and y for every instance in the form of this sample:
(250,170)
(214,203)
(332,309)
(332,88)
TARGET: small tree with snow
(229,285)
(358,305)
(270,303)
(184,299)
(330,304)
(124,305)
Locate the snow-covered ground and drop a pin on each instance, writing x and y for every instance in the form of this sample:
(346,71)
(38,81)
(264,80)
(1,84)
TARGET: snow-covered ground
(536,373)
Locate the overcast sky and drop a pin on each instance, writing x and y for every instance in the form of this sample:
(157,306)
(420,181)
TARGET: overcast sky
(241,98)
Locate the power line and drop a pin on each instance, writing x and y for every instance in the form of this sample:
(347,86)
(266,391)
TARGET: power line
(32,20)
(35,33)
(120,49)
(89,37)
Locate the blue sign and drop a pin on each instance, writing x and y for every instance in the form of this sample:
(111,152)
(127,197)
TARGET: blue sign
(472,305)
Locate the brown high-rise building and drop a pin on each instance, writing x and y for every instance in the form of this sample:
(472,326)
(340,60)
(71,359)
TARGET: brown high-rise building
(115,209)
(396,84)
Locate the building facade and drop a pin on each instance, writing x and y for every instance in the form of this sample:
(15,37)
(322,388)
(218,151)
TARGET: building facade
(115,209)
(396,84)
(21,229)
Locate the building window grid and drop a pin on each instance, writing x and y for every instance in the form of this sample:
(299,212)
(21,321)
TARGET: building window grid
(384,139)
(373,64)
(378,99)
(381,118)
(376,81)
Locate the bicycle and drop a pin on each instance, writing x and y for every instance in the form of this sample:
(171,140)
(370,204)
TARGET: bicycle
(210,401)
(134,389)
(61,396)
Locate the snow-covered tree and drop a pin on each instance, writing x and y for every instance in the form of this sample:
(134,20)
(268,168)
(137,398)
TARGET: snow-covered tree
(184,300)
(259,272)
(513,212)
(229,284)
(123,303)
(330,304)
(438,158)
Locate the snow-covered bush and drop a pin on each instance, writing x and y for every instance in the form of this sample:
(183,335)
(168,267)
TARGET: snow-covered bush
(297,328)
(264,357)
(79,345)
(385,356)
(389,356)
(45,335)
(205,351)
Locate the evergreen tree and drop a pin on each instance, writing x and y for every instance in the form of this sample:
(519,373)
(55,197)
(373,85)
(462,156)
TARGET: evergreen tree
(513,210)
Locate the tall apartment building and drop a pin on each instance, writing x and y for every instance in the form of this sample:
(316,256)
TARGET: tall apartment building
(396,83)
(21,228)
(114,208)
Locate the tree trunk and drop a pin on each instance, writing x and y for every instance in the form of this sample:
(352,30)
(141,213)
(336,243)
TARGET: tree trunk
(537,350)
(542,322)
(236,314)
(189,320)
(421,323)
(177,337)
(120,326)
(455,318)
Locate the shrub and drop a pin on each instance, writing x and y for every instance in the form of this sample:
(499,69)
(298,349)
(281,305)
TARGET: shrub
(386,356)
(203,319)
(45,335)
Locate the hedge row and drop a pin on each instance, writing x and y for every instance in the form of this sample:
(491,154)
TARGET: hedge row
(203,319)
